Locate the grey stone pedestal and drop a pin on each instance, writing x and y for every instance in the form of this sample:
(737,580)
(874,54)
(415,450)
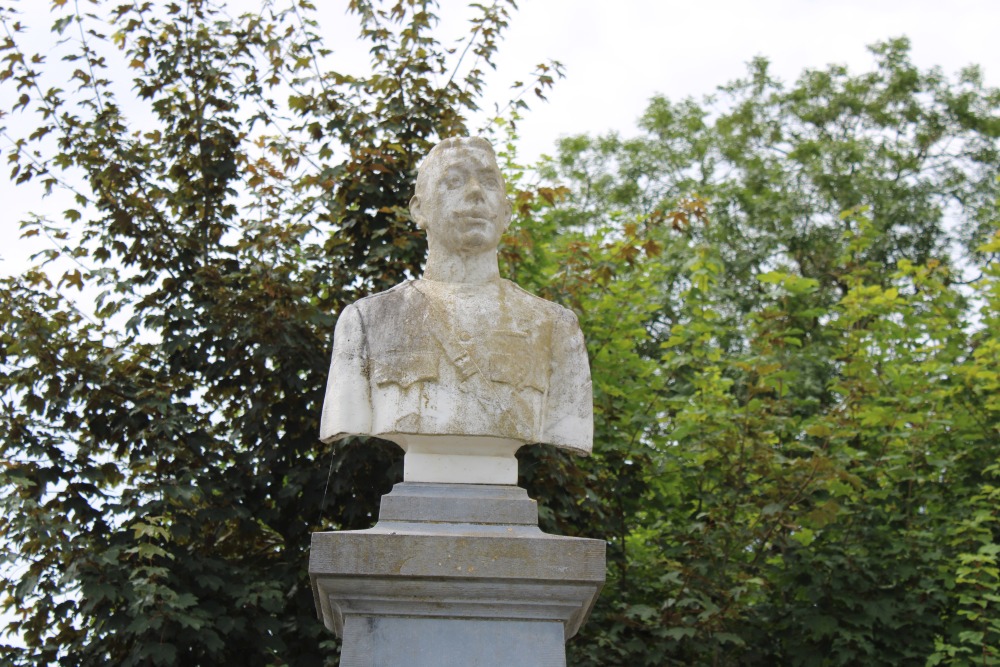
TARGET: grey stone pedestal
(454,574)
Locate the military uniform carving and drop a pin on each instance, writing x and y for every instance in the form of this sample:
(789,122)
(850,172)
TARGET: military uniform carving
(435,358)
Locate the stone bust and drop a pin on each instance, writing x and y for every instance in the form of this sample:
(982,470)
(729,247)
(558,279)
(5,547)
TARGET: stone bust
(462,367)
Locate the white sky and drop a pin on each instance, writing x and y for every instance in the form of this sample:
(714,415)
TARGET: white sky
(619,53)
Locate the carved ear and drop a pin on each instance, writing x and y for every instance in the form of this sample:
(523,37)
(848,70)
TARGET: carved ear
(415,213)
(507,214)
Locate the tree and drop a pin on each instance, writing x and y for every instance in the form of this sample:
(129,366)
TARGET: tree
(162,469)
(788,297)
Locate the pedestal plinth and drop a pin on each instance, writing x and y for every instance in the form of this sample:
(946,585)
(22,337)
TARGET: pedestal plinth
(454,575)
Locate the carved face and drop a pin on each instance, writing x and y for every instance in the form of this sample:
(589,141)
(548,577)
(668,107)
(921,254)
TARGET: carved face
(463,205)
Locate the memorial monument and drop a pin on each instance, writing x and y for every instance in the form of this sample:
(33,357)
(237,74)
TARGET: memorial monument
(460,369)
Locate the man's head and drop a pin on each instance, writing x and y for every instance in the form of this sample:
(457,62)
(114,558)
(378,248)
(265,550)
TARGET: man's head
(460,198)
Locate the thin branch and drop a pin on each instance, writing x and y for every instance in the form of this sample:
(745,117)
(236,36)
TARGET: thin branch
(90,61)
(468,45)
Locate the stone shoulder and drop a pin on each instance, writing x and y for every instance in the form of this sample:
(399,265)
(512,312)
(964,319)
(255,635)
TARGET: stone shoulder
(371,299)
(405,291)
(373,303)
(554,310)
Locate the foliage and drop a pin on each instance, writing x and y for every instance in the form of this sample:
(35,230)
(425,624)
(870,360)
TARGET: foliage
(162,473)
(797,433)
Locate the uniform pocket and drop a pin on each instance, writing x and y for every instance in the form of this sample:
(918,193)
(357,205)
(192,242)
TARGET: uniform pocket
(518,370)
(404,368)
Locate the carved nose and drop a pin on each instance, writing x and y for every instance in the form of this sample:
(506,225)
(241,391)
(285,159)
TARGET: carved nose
(473,190)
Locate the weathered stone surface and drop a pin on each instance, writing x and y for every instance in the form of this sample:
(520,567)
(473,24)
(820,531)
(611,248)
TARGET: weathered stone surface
(519,554)
(460,368)
(454,575)
(458,503)
(389,641)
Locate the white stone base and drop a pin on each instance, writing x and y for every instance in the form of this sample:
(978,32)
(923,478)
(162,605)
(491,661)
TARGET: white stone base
(455,575)
(459,460)
(456,468)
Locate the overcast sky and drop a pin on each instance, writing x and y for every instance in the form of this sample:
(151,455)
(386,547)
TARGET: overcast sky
(619,53)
